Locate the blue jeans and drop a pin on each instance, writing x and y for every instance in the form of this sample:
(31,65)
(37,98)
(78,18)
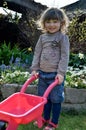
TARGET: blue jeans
(55,97)
(53,108)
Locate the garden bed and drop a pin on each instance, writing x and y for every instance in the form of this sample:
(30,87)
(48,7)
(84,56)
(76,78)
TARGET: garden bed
(75,84)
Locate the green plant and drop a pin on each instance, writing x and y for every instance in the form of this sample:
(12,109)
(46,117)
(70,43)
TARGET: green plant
(9,54)
(27,56)
(76,78)
(16,76)
(5,53)
(77,32)
(16,52)
(77,60)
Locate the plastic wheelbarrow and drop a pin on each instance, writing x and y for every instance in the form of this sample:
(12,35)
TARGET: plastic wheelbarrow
(22,108)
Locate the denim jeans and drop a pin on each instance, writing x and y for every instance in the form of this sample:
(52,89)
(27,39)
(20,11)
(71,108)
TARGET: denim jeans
(55,109)
(45,79)
(56,96)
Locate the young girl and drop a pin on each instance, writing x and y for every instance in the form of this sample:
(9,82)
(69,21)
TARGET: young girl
(50,60)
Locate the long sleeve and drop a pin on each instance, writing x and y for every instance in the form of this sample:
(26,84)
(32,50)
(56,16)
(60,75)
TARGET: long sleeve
(37,54)
(64,59)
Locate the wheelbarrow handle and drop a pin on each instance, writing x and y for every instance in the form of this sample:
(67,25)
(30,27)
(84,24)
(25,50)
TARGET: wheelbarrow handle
(50,87)
(30,80)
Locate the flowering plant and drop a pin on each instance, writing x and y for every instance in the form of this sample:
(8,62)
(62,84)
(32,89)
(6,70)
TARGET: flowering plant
(76,74)
(77,60)
(17,76)
(76,78)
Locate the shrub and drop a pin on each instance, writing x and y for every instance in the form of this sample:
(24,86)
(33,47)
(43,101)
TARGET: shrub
(77,60)
(5,53)
(77,32)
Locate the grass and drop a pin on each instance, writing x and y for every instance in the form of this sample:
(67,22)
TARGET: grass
(67,122)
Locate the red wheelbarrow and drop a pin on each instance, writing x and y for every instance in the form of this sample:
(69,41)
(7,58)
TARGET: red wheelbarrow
(22,108)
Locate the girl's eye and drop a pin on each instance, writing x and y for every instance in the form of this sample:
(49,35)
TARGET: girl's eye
(55,21)
(47,21)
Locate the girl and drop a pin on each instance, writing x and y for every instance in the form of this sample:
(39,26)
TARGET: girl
(50,60)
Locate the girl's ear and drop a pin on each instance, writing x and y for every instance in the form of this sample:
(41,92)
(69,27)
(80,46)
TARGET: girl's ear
(63,23)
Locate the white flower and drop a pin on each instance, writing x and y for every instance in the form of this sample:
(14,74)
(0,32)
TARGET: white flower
(84,82)
(1,80)
(76,84)
(81,56)
(12,75)
(8,75)
(17,73)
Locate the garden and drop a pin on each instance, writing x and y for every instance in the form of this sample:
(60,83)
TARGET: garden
(15,69)
(15,62)
(18,72)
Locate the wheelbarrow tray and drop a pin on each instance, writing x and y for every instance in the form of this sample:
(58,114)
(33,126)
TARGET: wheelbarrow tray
(22,108)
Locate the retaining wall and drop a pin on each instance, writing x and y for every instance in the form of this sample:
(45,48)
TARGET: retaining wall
(74,98)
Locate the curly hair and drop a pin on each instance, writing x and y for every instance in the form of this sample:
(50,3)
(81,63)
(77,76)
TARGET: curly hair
(53,14)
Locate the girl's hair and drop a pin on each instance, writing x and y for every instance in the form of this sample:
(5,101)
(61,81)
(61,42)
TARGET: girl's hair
(53,14)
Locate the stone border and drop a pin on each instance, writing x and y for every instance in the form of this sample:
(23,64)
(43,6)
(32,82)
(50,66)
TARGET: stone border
(74,98)
(9,89)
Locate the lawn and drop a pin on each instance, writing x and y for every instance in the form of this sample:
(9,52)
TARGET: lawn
(67,122)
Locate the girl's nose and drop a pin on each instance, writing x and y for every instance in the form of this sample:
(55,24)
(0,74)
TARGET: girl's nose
(51,24)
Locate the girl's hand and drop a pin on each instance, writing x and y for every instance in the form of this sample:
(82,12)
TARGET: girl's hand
(60,78)
(34,73)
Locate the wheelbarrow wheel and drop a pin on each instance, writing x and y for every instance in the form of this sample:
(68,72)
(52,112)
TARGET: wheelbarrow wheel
(2,125)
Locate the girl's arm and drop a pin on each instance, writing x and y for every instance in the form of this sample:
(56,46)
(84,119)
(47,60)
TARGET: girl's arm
(64,59)
(37,53)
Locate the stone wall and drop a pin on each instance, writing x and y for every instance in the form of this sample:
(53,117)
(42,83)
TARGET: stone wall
(75,99)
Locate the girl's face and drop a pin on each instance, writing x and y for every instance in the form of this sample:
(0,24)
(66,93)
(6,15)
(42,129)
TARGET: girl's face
(52,26)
